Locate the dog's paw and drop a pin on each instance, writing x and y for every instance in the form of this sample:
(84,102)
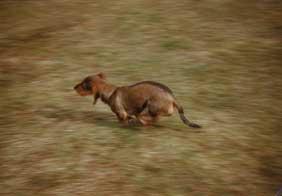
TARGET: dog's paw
(133,122)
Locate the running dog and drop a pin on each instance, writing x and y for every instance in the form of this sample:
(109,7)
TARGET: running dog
(141,103)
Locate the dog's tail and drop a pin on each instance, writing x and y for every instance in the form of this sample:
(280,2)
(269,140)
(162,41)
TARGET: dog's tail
(183,118)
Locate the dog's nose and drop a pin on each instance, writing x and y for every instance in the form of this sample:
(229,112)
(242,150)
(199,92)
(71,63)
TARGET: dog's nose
(75,87)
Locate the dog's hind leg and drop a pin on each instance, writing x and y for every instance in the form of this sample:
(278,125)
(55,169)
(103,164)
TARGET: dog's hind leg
(147,119)
(149,115)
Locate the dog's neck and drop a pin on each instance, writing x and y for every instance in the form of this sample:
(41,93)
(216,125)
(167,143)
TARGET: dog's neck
(105,91)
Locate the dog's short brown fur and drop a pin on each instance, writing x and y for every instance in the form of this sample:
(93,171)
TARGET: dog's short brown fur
(143,102)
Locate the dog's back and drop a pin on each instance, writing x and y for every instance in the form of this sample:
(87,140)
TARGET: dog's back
(152,84)
(135,97)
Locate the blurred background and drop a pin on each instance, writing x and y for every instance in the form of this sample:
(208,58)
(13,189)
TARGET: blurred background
(222,59)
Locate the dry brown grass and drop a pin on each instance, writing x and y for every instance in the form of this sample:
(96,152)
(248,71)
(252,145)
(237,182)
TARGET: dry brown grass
(221,58)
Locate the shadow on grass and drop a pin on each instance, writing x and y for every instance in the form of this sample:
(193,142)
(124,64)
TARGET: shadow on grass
(96,118)
(88,117)
(106,119)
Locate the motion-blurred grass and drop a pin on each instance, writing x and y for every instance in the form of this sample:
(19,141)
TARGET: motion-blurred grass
(221,58)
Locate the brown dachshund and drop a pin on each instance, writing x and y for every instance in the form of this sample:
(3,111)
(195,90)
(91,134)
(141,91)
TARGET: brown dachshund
(140,103)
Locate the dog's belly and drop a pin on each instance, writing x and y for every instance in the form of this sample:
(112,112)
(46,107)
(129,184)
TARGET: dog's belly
(134,107)
(153,103)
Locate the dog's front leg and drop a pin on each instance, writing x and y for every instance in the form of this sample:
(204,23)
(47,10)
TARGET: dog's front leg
(126,119)
(122,117)
(132,120)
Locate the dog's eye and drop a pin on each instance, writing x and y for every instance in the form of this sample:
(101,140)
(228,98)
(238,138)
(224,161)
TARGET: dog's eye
(86,86)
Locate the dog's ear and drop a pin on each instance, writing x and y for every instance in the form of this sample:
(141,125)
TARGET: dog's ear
(86,85)
(102,75)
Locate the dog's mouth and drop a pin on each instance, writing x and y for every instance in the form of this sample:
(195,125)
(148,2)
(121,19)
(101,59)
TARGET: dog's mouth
(81,91)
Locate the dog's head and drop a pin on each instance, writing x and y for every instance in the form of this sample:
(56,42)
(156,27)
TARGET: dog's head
(90,86)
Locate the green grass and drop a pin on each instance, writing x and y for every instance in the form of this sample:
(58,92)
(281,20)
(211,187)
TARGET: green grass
(175,44)
(221,59)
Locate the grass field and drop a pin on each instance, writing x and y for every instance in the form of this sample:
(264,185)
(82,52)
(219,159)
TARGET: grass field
(222,59)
